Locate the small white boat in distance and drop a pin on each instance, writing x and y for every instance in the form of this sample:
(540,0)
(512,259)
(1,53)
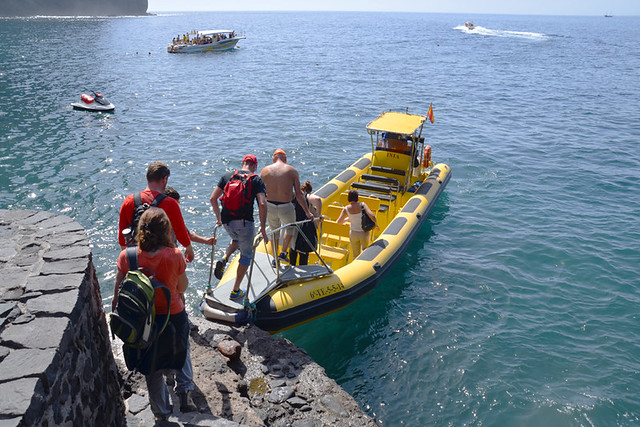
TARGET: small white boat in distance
(203,41)
(469,25)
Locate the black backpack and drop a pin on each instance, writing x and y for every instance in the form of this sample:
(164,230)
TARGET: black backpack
(138,209)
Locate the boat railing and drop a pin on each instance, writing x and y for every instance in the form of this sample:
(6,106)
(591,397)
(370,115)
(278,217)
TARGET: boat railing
(274,251)
(297,225)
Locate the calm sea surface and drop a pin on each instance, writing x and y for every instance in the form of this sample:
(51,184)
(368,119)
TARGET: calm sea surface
(516,304)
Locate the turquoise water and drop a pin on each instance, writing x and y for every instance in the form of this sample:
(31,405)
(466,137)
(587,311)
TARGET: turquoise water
(517,302)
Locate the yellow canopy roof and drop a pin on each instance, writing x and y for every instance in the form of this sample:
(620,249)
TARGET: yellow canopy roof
(401,123)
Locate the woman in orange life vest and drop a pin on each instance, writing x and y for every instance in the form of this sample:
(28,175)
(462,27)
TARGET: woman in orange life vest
(158,255)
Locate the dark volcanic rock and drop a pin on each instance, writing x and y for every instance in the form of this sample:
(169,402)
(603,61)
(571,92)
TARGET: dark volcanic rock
(230,349)
(242,393)
(73,7)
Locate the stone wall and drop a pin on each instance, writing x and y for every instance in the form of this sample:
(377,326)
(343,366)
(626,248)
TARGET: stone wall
(56,364)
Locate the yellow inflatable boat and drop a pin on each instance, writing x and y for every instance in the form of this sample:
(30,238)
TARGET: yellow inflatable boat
(399,183)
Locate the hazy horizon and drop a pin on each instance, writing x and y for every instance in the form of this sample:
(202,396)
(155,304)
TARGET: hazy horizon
(470,7)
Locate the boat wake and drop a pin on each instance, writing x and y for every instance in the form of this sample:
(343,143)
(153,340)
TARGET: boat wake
(501,33)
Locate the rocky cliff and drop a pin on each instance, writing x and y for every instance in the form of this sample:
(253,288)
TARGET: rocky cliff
(73,7)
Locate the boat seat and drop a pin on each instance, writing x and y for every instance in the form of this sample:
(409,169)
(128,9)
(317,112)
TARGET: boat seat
(333,211)
(379,196)
(373,202)
(378,178)
(378,188)
(334,234)
(392,183)
(390,171)
(372,187)
(335,257)
(334,247)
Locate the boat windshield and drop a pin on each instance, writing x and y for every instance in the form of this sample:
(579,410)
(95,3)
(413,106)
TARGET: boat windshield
(394,142)
(395,132)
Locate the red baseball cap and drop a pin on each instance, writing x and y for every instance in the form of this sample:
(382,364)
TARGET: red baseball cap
(250,158)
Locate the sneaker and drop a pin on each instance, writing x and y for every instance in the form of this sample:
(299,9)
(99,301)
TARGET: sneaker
(283,257)
(220,264)
(186,402)
(236,294)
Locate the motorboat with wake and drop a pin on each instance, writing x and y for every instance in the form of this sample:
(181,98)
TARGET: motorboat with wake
(204,41)
(97,102)
(469,25)
(398,182)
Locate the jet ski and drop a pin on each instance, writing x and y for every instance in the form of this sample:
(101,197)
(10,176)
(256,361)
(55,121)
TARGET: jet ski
(97,102)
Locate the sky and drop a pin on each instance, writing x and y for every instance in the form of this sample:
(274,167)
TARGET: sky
(509,7)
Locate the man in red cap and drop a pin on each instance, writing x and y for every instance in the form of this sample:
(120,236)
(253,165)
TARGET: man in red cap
(283,184)
(238,190)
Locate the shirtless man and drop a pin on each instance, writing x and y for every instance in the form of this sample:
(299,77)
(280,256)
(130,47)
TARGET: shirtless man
(282,183)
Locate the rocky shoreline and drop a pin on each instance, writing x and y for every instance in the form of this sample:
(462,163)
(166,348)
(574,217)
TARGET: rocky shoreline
(263,381)
(56,367)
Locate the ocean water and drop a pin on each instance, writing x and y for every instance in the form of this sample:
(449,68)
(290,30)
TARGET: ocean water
(516,304)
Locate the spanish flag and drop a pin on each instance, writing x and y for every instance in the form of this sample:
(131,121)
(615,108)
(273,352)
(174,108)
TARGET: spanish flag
(430,113)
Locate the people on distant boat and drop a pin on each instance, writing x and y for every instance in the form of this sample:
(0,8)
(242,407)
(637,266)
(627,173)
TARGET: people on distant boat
(301,249)
(195,38)
(283,185)
(358,238)
(239,225)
